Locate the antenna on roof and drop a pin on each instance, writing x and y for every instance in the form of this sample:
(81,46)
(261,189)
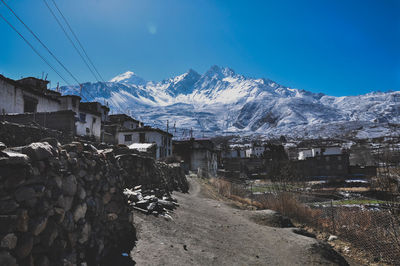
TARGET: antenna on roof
(46,76)
(58,87)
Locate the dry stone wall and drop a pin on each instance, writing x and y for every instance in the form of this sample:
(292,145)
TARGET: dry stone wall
(64,205)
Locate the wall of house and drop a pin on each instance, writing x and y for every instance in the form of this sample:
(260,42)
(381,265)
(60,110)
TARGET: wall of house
(67,103)
(204,160)
(61,120)
(12,101)
(130,124)
(94,127)
(164,148)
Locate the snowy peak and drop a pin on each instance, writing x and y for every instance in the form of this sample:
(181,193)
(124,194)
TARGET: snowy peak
(223,102)
(129,77)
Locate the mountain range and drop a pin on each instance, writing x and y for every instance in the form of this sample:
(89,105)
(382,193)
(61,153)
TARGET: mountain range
(223,102)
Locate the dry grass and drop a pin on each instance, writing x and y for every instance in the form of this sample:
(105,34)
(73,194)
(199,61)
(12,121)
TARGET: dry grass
(377,232)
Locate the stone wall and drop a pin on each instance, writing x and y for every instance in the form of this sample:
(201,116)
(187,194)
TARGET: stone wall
(18,135)
(64,205)
(62,120)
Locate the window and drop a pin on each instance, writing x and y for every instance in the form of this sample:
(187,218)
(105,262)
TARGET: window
(128,137)
(142,137)
(94,120)
(87,130)
(73,103)
(82,117)
(30,104)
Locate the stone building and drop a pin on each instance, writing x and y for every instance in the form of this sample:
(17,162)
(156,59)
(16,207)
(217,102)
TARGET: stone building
(323,162)
(146,134)
(198,155)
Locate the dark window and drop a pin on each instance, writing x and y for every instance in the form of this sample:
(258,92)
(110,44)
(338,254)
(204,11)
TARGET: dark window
(128,137)
(94,120)
(142,137)
(74,103)
(87,130)
(30,104)
(82,117)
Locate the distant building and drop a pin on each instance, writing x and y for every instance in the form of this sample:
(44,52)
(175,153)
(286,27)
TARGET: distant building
(161,138)
(323,162)
(255,151)
(198,155)
(147,148)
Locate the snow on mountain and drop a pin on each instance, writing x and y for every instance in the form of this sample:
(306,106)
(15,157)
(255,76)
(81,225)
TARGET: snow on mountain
(223,102)
(130,78)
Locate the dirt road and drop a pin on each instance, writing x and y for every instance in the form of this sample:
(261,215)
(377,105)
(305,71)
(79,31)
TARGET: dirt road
(205,231)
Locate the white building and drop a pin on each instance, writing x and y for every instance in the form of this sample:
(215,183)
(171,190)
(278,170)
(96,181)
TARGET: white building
(314,152)
(162,139)
(255,151)
(91,117)
(27,95)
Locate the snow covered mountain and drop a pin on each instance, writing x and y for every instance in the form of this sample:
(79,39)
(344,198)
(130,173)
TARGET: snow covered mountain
(223,102)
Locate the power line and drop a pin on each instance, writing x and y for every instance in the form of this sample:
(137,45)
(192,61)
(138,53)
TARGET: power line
(69,38)
(77,39)
(36,51)
(84,51)
(38,39)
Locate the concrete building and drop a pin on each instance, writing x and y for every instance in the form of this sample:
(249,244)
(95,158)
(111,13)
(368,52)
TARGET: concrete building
(198,155)
(92,116)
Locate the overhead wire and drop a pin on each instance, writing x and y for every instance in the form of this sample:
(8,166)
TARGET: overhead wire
(40,41)
(35,50)
(77,50)
(77,39)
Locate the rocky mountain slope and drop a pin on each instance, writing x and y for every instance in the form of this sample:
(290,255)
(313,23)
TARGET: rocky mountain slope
(223,102)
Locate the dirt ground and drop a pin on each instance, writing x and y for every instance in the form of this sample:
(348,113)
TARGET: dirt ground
(207,231)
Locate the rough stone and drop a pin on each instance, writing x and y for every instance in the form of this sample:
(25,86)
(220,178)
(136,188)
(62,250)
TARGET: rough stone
(85,233)
(69,185)
(80,211)
(2,146)
(38,225)
(22,221)
(25,194)
(65,202)
(6,259)
(59,214)
(107,197)
(8,206)
(24,246)
(38,151)
(9,241)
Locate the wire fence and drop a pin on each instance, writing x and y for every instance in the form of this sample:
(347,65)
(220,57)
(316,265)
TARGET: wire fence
(369,227)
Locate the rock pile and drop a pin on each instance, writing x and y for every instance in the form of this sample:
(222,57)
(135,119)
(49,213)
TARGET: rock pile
(150,201)
(64,205)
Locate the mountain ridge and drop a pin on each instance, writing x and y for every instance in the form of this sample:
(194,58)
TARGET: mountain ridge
(223,102)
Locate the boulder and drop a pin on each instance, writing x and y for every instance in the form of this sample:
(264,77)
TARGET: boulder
(9,241)
(69,185)
(24,246)
(6,259)
(80,211)
(37,225)
(38,151)
(2,146)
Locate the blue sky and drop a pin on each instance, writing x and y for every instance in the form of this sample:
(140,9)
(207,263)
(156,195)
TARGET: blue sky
(332,46)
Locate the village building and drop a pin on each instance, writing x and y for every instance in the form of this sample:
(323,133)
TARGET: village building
(92,116)
(149,149)
(198,155)
(323,162)
(255,151)
(146,134)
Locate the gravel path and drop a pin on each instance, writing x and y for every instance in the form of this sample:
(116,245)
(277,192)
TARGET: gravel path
(205,231)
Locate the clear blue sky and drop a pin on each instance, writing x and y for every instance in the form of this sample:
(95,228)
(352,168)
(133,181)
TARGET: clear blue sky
(338,47)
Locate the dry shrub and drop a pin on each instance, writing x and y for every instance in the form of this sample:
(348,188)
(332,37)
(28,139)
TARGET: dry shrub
(224,187)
